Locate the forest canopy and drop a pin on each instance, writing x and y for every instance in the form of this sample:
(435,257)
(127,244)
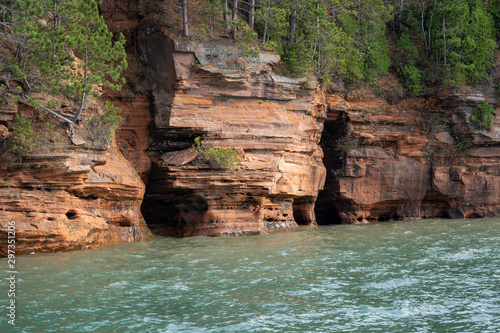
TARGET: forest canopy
(450,42)
(64,46)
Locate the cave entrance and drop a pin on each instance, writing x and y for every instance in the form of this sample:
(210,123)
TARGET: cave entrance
(168,209)
(435,205)
(303,211)
(334,131)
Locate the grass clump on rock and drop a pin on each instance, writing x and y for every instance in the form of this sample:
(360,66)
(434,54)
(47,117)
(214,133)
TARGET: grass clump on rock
(483,116)
(217,158)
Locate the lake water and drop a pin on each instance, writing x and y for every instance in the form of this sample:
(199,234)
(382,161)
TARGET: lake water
(417,276)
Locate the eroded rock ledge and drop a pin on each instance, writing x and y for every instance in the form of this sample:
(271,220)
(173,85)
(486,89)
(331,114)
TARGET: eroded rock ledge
(68,201)
(211,90)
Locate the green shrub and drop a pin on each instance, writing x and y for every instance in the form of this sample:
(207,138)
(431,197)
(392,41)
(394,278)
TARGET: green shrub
(413,79)
(101,127)
(217,158)
(483,116)
(429,123)
(23,138)
(349,143)
(246,43)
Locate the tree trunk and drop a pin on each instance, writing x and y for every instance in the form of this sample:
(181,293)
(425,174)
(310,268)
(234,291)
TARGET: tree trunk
(84,95)
(225,15)
(293,18)
(317,29)
(266,22)
(185,29)
(234,18)
(359,10)
(423,25)
(57,115)
(430,25)
(444,39)
(251,17)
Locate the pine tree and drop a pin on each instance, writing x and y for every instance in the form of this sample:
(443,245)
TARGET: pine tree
(69,49)
(494,10)
(463,41)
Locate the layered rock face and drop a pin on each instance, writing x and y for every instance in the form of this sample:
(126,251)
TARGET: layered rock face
(75,197)
(211,90)
(77,200)
(417,158)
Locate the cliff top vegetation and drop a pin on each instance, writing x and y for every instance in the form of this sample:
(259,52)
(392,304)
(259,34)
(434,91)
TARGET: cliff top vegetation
(423,42)
(55,56)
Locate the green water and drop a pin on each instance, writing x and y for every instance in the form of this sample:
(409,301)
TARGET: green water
(427,276)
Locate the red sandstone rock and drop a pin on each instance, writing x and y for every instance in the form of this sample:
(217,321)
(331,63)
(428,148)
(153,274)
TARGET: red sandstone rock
(241,103)
(4,132)
(393,171)
(71,201)
(180,157)
(132,136)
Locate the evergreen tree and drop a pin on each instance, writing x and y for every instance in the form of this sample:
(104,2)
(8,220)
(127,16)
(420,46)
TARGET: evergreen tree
(494,10)
(369,47)
(463,41)
(212,10)
(69,48)
(459,39)
(342,38)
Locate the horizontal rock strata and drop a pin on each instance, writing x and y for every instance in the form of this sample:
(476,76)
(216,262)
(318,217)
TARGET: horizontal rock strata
(275,123)
(418,158)
(78,200)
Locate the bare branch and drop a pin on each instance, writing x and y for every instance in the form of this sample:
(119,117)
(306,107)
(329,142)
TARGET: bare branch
(57,115)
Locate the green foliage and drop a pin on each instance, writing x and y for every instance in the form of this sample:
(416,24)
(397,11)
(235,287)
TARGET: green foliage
(494,10)
(67,48)
(349,143)
(412,76)
(341,38)
(412,79)
(408,49)
(371,41)
(6,12)
(212,10)
(217,158)
(270,46)
(298,59)
(458,37)
(463,146)
(429,123)
(246,41)
(101,127)
(483,116)
(23,138)
(464,41)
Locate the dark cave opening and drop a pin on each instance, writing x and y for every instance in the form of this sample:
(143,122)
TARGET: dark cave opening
(435,205)
(302,212)
(333,132)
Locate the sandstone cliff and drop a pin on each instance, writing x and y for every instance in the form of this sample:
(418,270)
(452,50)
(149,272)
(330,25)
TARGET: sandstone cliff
(210,90)
(71,200)
(416,158)
(386,158)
